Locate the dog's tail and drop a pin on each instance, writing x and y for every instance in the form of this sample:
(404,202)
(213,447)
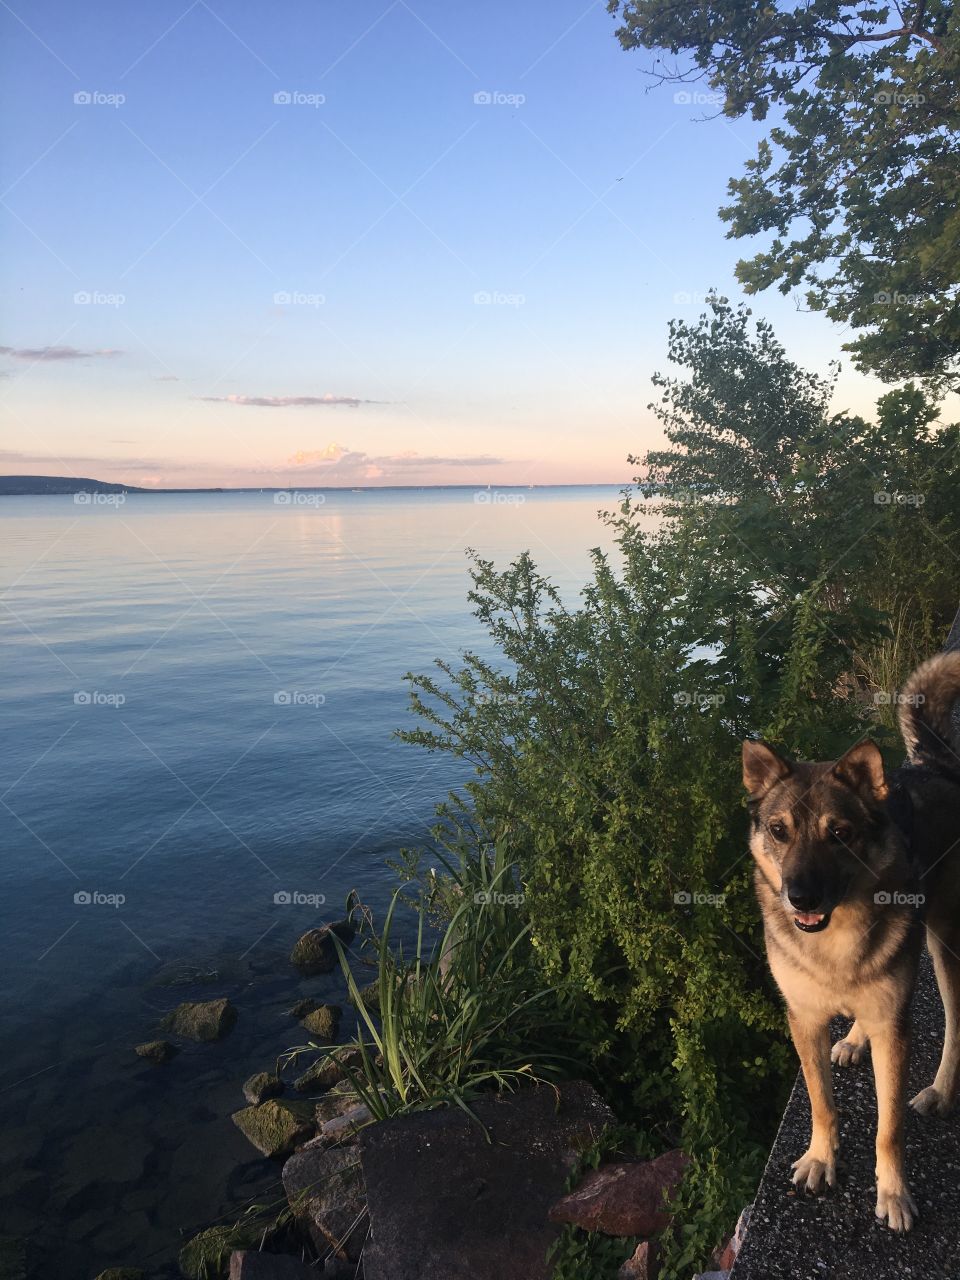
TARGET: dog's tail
(926,713)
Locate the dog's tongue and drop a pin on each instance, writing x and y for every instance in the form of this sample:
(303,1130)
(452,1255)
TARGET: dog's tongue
(809,917)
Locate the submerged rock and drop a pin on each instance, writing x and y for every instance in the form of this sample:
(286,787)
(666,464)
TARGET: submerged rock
(325,1190)
(13,1259)
(323,1023)
(305,1006)
(201,1019)
(276,1128)
(262,1086)
(156,1050)
(624,1199)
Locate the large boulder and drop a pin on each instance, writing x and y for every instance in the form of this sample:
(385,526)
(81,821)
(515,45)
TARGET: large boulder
(323,1023)
(201,1019)
(276,1128)
(624,1199)
(453,1199)
(315,951)
(258,1088)
(325,1189)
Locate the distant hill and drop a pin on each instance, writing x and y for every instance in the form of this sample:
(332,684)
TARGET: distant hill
(62,484)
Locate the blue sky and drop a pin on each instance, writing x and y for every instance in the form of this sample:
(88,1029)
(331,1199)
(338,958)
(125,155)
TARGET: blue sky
(289,243)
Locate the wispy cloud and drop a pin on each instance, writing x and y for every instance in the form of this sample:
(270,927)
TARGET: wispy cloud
(55,353)
(336,459)
(290,402)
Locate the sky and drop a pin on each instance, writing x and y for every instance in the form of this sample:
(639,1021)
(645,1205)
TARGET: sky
(332,243)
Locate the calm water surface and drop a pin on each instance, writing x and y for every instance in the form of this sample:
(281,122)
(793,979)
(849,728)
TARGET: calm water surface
(199,699)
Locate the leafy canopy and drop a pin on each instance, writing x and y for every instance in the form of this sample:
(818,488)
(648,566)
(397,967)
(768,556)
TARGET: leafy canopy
(857,184)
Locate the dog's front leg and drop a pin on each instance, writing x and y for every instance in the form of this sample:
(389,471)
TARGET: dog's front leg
(818,1166)
(890,1042)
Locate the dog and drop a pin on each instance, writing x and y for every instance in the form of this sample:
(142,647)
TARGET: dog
(854,866)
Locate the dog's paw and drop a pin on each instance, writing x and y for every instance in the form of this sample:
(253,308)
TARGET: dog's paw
(931,1102)
(814,1171)
(897,1208)
(847,1053)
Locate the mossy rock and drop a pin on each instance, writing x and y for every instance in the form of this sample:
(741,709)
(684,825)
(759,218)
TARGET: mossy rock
(122,1273)
(275,1128)
(370,997)
(328,1070)
(305,1006)
(323,1023)
(156,1051)
(201,1019)
(315,952)
(207,1255)
(262,1086)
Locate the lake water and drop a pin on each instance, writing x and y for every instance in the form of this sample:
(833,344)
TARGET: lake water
(198,706)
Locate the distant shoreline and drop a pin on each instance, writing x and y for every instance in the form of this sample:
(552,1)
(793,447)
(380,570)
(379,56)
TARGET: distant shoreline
(47,486)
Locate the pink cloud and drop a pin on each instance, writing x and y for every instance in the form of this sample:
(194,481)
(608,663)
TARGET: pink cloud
(287,402)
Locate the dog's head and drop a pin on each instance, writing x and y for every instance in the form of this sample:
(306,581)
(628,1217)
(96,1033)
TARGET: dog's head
(816,827)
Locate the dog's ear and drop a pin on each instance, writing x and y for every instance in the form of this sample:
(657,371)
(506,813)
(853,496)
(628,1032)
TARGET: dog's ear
(762,767)
(862,768)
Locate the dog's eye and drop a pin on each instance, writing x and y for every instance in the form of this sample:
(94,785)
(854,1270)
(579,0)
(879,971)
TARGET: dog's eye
(778,830)
(841,832)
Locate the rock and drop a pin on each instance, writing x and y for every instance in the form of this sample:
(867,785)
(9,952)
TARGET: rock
(304,1006)
(249,1264)
(315,951)
(624,1199)
(451,1200)
(207,1255)
(727,1256)
(643,1265)
(340,1099)
(275,1128)
(328,1070)
(122,1273)
(156,1050)
(201,1020)
(325,1190)
(262,1086)
(13,1259)
(370,997)
(323,1023)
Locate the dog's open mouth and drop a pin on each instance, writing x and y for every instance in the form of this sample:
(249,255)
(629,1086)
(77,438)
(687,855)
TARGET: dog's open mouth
(811,921)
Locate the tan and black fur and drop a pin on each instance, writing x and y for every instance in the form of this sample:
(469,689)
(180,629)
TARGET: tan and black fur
(854,866)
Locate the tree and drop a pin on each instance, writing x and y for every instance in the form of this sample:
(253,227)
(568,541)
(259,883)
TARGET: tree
(858,181)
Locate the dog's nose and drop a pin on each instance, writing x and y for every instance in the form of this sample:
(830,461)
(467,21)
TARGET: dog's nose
(802,895)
